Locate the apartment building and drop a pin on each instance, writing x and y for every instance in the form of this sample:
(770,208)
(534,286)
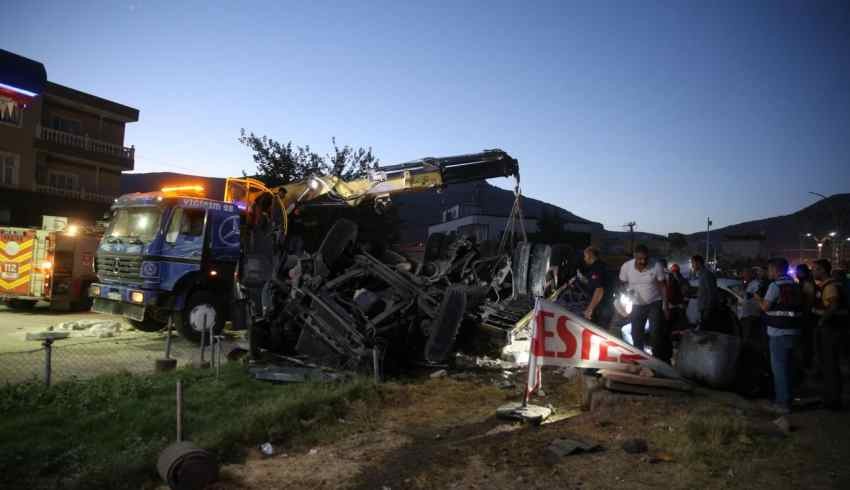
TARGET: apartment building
(62,151)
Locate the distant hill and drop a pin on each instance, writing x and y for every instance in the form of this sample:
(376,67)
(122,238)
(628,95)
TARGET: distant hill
(782,233)
(416,210)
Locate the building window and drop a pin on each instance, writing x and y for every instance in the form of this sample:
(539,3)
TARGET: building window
(9,164)
(10,112)
(66,125)
(62,180)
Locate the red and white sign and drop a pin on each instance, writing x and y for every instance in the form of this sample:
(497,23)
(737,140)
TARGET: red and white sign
(562,338)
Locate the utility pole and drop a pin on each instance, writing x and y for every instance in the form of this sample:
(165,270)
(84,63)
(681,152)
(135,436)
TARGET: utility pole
(707,230)
(631,226)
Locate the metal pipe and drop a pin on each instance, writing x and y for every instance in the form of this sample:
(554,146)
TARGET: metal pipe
(168,338)
(179,411)
(48,360)
(203,337)
(376,366)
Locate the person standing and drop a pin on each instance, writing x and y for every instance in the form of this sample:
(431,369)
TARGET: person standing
(808,342)
(707,296)
(751,315)
(676,293)
(782,308)
(831,312)
(646,281)
(597,281)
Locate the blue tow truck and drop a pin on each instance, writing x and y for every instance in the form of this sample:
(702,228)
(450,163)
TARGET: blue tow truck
(169,255)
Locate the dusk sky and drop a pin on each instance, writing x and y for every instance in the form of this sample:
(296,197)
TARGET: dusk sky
(661,113)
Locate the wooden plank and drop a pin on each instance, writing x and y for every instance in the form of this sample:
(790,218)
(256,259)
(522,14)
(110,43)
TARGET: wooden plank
(642,390)
(626,378)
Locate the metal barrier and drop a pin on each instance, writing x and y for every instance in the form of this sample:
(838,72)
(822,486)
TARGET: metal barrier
(77,358)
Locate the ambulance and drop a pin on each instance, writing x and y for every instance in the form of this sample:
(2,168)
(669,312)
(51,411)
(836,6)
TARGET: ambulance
(53,264)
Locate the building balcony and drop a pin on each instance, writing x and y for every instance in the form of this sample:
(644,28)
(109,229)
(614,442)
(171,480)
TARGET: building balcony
(74,194)
(90,147)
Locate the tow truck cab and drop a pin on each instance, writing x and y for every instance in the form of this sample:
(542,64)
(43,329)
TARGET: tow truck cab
(168,255)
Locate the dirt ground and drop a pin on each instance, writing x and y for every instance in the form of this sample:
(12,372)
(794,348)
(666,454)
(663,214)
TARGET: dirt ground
(443,433)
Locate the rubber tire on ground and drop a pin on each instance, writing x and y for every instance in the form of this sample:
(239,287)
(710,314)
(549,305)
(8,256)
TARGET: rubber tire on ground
(538,266)
(21,304)
(519,268)
(445,326)
(342,235)
(146,325)
(181,318)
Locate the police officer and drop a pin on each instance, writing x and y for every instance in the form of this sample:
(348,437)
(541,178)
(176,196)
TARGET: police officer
(782,308)
(831,311)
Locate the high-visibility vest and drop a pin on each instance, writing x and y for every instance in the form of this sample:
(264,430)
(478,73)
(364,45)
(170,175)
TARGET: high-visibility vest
(787,311)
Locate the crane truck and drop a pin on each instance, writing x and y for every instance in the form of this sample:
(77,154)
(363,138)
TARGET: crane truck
(178,255)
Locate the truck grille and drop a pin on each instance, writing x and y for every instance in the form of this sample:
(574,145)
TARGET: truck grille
(116,266)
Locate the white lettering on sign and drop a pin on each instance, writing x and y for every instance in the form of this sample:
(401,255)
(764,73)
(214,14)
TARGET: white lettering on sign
(205,204)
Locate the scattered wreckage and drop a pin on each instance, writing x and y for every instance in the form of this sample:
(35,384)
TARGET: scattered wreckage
(353,303)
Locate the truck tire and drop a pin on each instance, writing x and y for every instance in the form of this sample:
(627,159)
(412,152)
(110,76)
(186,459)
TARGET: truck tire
(342,235)
(146,325)
(21,304)
(519,269)
(538,266)
(202,306)
(445,326)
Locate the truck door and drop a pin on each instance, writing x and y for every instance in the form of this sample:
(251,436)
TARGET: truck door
(223,241)
(183,244)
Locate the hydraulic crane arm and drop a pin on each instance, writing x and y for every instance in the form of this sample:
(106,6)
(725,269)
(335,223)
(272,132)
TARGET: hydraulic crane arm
(380,183)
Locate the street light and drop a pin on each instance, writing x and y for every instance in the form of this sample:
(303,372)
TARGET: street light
(821,241)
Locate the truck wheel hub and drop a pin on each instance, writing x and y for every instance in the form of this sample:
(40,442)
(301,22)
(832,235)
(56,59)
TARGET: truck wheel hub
(202,317)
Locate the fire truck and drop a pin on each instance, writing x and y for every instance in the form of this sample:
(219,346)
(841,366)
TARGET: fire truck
(54,264)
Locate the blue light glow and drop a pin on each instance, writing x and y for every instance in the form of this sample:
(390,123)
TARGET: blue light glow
(18,90)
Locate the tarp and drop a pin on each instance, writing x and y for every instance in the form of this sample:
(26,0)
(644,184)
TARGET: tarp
(562,338)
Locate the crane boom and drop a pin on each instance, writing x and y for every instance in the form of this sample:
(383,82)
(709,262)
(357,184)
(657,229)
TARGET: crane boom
(380,183)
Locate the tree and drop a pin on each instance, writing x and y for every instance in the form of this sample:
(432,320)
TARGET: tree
(279,163)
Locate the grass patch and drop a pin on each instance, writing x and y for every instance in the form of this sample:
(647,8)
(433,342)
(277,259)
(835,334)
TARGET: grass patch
(107,432)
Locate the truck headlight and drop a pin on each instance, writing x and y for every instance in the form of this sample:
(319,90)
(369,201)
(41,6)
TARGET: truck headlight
(95,291)
(137,297)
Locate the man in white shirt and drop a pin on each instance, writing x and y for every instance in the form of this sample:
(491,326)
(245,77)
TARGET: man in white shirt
(646,282)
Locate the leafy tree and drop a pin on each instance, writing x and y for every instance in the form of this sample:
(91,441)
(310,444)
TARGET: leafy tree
(279,163)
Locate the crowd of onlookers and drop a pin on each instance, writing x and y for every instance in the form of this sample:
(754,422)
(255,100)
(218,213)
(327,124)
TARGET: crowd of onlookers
(800,317)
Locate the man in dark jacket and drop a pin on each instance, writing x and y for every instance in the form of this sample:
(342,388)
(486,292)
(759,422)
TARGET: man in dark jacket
(831,312)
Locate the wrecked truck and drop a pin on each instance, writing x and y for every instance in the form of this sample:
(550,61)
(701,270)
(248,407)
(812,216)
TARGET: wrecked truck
(351,302)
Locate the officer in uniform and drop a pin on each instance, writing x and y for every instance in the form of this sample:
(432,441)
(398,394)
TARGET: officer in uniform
(783,309)
(831,311)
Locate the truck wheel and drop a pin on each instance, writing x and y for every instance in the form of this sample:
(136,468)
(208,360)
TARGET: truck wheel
(201,310)
(147,325)
(21,304)
(342,235)
(538,266)
(519,268)
(445,326)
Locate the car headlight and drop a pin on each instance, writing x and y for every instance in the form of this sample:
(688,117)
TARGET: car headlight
(95,291)
(627,303)
(137,297)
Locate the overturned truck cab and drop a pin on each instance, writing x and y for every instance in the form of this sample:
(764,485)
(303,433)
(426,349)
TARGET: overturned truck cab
(348,299)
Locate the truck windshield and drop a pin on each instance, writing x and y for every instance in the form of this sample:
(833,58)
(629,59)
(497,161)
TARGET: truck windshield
(135,223)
